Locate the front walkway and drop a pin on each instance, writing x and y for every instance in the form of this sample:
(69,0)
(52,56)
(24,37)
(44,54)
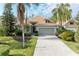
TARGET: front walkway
(52,46)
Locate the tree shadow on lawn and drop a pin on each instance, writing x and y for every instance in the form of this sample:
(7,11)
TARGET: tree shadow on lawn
(19,38)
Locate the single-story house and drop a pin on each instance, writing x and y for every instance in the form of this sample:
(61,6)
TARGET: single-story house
(48,27)
(43,26)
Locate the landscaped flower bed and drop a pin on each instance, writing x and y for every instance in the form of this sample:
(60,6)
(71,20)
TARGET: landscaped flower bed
(65,34)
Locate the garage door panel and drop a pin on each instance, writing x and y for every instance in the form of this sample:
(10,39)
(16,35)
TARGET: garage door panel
(46,31)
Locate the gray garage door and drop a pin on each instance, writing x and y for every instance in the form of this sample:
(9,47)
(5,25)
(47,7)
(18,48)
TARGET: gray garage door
(46,31)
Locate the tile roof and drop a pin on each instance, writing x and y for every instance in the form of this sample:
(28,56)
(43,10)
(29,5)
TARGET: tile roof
(40,21)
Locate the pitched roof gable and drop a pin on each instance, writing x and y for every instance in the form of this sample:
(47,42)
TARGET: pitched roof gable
(37,19)
(69,21)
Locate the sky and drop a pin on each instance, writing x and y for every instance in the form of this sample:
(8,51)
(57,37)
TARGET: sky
(42,10)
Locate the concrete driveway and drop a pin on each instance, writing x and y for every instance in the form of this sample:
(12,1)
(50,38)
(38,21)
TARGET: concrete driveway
(52,46)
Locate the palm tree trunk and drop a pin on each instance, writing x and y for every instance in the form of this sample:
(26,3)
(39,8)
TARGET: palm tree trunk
(60,22)
(20,15)
(23,36)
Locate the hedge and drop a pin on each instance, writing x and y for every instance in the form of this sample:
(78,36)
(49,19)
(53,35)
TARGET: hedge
(67,35)
(60,29)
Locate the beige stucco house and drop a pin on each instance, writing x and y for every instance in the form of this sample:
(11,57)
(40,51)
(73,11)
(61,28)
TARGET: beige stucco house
(48,27)
(43,26)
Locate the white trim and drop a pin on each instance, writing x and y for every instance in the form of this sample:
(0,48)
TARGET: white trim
(69,21)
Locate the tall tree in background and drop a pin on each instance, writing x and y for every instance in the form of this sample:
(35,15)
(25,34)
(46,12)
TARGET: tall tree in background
(77,32)
(20,16)
(55,16)
(8,20)
(61,13)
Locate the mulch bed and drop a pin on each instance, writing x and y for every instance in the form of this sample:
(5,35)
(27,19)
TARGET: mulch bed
(19,38)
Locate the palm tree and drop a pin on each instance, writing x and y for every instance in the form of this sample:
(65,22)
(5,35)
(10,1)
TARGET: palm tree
(57,13)
(62,13)
(20,16)
(55,16)
(67,11)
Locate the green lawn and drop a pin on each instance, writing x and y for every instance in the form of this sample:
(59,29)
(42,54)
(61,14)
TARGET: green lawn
(16,46)
(73,45)
(4,50)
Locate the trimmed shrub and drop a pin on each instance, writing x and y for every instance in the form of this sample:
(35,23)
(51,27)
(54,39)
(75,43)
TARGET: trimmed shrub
(18,32)
(4,50)
(28,34)
(36,33)
(60,29)
(67,35)
(26,27)
(18,35)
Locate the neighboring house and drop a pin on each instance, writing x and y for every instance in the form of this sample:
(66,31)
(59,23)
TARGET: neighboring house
(71,25)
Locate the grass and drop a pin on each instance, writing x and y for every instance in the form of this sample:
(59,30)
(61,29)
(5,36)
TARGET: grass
(11,42)
(28,51)
(4,49)
(72,45)
(16,46)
